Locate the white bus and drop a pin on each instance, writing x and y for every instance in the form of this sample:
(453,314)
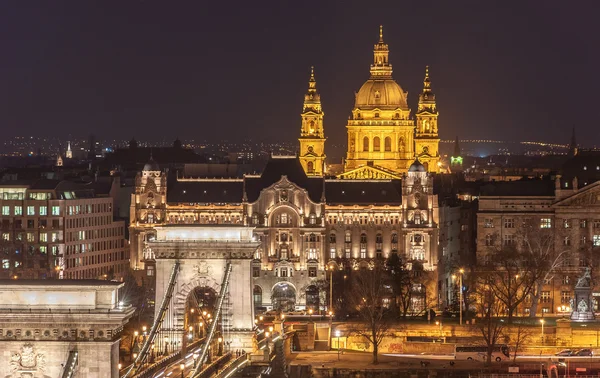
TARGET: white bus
(479,352)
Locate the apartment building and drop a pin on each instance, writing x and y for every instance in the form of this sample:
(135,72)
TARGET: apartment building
(59,229)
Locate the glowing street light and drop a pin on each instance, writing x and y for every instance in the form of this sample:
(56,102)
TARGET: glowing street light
(542,321)
(182,367)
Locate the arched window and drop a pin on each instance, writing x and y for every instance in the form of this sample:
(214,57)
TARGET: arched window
(254,218)
(366,144)
(363,246)
(417,217)
(257,296)
(376,144)
(312,238)
(332,238)
(388,144)
(310,167)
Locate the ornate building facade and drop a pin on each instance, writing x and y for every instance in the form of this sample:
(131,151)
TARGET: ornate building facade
(303,223)
(383,140)
(510,212)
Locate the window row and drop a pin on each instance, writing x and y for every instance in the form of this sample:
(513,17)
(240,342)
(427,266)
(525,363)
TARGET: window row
(30,223)
(17,210)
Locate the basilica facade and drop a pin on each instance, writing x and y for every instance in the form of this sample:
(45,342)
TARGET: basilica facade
(383,137)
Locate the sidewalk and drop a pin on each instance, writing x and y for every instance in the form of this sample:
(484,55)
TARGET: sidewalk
(356,360)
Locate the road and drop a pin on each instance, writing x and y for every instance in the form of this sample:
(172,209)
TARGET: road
(174,370)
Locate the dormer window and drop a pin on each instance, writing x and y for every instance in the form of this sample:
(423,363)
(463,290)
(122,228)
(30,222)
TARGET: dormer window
(312,219)
(376,115)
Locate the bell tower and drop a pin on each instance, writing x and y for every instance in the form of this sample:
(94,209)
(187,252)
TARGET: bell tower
(312,136)
(426,137)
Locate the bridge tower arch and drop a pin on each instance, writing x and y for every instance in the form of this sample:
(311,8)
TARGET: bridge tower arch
(203,253)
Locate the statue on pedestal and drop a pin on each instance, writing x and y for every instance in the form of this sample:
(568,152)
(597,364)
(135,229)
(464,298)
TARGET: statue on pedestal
(583,298)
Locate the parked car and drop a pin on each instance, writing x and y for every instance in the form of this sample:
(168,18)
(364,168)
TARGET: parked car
(583,352)
(564,353)
(297,312)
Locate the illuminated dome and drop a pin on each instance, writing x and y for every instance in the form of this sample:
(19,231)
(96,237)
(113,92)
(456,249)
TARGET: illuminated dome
(417,167)
(382,94)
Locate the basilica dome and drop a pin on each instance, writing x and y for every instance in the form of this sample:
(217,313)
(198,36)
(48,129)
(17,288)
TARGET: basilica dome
(382,94)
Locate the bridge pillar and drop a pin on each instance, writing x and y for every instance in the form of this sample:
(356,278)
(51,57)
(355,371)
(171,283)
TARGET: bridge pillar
(44,323)
(203,252)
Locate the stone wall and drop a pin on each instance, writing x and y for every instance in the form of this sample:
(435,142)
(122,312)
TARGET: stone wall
(45,358)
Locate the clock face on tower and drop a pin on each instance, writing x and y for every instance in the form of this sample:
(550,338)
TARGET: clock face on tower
(310,149)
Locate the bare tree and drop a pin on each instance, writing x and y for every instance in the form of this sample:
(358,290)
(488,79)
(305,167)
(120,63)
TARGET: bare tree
(367,296)
(491,326)
(538,247)
(519,335)
(511,276)
(411,286)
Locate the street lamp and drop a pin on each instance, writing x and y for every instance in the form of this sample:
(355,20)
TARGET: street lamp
(166,345)
(337,334)
(220,351)
(542,321)
(182,367)
(330,267)
(201,330)
(440,324)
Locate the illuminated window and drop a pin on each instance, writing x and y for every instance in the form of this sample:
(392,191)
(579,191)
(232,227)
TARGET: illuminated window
(5,210)
(566,223)
(18,210)
(43,210)
(55,210)
(545,223)
(596,240)
(30,210)
(488,223)
(489,240)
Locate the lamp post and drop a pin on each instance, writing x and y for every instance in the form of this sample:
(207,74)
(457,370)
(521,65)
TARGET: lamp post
(220,350)
(542,321)
(440,324)
(195,357)
(182,367)
(460,307)
(330,287)
(166,345)
(337,334)
(201,330)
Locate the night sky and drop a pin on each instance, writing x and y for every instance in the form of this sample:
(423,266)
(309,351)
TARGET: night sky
(507,70)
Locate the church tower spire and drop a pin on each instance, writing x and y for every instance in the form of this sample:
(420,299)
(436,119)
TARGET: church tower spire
(312,135)
(426,136)
(573,145)
(381,67)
